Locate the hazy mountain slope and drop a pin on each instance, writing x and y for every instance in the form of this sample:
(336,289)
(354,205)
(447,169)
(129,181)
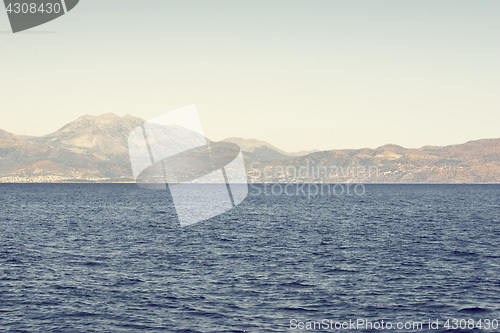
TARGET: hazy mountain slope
(15,151)
(90,146)
(471,162)
(261,151)
(485,150)
(106,136)
(256,150)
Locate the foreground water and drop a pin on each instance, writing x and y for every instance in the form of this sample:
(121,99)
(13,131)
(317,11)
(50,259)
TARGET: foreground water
(109,258)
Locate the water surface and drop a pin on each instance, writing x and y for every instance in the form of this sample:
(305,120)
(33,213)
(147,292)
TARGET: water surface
(110,258)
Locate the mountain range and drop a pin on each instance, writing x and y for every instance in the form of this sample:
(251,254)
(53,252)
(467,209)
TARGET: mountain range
(95,149)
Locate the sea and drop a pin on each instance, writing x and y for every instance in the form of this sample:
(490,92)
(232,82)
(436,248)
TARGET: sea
(112,258)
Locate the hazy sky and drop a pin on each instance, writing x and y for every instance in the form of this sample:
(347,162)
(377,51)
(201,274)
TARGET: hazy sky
(299,74)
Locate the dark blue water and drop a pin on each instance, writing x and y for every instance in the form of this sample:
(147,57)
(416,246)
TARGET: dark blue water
(109,258)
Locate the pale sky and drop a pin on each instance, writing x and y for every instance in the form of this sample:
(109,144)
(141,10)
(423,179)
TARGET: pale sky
(303,74)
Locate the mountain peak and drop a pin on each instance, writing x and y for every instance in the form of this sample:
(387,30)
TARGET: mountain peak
(104,134)
(104,120)
(109,115)
(392,148)
(252,144)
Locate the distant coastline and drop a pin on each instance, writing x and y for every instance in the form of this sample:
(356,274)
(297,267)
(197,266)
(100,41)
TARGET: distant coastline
(94,149)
